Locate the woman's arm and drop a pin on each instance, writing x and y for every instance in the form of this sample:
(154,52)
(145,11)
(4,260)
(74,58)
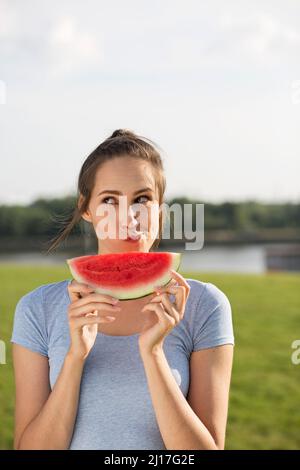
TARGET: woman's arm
(44,419)
(199,422)
(210,376)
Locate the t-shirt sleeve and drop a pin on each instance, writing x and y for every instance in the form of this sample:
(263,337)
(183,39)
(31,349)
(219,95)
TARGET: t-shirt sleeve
(213,324)
(29,328)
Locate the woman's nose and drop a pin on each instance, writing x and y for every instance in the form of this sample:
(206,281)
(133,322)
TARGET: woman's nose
(131,217)
(130,221)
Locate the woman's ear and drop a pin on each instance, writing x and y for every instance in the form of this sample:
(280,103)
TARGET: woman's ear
(86,214)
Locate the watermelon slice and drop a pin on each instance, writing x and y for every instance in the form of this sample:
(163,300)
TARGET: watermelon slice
(126,275)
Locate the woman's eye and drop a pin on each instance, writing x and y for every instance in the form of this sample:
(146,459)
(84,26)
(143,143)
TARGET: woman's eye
(147,198)
(109,197)
(105,199)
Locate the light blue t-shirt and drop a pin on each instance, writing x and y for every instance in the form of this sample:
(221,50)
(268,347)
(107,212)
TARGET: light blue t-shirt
(115,410)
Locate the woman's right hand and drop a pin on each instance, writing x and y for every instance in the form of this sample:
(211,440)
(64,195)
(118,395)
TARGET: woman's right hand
(86,310)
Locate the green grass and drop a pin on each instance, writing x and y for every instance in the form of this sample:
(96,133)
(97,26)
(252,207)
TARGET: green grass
(264,410)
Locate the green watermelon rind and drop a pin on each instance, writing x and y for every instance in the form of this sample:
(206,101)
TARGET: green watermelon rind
(140,291)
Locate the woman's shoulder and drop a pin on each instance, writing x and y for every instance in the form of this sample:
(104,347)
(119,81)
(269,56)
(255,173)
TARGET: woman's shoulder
(49,293)
(208,315)
(206,292)
(36,313)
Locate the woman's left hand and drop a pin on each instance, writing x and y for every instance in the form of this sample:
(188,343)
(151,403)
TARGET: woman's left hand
(169,314)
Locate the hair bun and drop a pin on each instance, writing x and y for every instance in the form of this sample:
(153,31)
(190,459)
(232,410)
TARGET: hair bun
(121,132)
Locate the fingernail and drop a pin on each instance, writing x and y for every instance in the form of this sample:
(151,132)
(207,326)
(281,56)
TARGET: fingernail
(110,317)
(115,301)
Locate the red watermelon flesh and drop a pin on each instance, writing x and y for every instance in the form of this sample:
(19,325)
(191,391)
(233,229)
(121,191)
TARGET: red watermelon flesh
(126,275)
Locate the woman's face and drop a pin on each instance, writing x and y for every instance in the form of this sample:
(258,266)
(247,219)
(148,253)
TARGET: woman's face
(124,203)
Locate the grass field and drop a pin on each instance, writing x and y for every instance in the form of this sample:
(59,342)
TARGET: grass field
(264,410)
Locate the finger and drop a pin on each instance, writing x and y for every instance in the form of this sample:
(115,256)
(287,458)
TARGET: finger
(181,281)
(105,317)
(180,297)
(171,283)
(90,307)
(76,286)
(77,289)
(77,323)
(96,298)
(163,317)
(169,307)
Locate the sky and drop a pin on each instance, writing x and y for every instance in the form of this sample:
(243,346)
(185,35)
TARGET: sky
(215,84)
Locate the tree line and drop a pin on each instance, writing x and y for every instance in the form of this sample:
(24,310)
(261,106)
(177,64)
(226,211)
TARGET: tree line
(44,217)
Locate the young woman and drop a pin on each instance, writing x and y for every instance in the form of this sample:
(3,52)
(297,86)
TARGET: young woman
(149,373)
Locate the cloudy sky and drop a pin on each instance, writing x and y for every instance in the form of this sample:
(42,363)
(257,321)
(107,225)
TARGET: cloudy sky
(216,84)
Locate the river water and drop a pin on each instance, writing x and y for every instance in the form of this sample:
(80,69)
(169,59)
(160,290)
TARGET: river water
(235,259)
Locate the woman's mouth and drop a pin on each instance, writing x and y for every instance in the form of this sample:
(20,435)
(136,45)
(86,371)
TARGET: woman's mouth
(134,236)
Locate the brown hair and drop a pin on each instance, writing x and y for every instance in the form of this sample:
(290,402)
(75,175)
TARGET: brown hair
(122,142)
